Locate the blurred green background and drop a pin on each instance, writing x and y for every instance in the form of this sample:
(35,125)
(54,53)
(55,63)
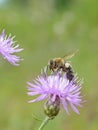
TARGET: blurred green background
(48,29)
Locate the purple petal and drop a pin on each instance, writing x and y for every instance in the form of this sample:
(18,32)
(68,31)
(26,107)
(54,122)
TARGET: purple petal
(74,108)
(39,98)
(65,106)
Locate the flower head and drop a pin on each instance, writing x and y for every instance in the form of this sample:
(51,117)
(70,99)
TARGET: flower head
(57,86)
(8,48)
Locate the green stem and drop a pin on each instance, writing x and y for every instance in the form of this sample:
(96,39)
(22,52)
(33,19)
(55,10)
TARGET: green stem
(44,123)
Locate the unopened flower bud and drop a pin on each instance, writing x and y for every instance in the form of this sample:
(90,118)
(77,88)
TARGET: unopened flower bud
(51,108)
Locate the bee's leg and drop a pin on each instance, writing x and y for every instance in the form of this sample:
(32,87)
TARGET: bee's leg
(58,69)
(49,68)
(52,70)
(64,69)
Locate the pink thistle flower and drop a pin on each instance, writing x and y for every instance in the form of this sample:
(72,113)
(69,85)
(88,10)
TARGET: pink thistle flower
(57,87)
(8,48)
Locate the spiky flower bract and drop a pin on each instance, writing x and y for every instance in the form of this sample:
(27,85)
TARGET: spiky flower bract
(8,48)
(57,86)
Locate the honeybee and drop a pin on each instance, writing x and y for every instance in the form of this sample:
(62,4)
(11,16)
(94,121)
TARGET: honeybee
(60,63)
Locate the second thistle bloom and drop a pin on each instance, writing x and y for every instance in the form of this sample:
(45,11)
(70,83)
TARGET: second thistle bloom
(57,88)
(8,48)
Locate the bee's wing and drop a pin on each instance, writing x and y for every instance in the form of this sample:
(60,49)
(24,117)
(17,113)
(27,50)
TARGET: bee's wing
(70,55)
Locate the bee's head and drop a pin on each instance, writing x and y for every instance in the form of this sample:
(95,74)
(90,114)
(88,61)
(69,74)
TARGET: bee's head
(51,62)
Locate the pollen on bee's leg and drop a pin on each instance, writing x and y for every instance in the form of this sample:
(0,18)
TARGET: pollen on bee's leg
(67,65)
